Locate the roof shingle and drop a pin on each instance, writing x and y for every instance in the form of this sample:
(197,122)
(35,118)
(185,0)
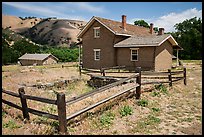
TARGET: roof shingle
(142,41)
(116,26)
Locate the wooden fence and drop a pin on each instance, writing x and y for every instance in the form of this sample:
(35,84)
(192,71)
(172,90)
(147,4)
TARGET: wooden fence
(61,103)
(170,75)
(26,110)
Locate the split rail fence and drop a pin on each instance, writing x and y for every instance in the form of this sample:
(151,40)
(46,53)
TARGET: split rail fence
(170,76)
(62,103)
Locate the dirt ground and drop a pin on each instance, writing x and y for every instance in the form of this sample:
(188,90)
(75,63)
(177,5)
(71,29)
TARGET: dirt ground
(176,111)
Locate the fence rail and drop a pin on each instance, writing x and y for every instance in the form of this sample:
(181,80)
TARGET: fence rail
(40,99)
(169,75)
(25,109)
(100,102)
(61,103)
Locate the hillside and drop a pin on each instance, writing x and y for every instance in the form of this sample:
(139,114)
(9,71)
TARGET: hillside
(54,32)
(17,24)
(49,31)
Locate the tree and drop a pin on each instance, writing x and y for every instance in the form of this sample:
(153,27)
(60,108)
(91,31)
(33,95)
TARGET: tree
(189,36)
(156,29)
(141,23)
(9,55)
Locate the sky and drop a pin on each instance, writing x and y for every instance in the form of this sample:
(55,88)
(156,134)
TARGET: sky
(161,14)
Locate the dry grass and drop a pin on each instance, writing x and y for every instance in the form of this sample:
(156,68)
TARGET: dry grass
(176,111)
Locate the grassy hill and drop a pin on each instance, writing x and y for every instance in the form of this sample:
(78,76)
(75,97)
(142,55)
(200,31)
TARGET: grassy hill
(49,31)
(55,32)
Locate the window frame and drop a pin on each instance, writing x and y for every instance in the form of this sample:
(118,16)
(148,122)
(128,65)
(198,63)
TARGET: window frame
(96,31)
(95,55)
(131,57)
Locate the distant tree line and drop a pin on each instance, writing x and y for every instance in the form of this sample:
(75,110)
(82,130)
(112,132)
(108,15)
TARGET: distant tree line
(10,54)
(27,18)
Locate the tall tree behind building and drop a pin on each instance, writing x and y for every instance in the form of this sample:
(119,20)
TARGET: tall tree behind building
(189,36)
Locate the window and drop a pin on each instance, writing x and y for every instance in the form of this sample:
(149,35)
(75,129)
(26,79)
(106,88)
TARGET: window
(134,54)
(96,32)
(97,53)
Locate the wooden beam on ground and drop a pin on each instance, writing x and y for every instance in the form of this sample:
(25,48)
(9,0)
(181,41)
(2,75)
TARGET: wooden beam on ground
(101,89)
(100,102)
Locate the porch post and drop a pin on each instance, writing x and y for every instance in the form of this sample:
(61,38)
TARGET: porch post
(177,63)
(79,54)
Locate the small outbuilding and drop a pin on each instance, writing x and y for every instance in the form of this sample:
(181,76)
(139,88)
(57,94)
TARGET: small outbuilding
(37,59)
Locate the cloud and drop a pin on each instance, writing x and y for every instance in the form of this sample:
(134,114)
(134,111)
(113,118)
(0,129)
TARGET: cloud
(168,21)
(88,7)
(69,10)
(30,7)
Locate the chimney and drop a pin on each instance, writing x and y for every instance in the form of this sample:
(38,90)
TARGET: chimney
(161,31)
(151,28)
(124,22)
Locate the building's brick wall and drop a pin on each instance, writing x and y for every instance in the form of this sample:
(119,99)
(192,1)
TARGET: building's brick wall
(111,56)
(163,60)
(145,58)
(49,60)
(25,62)
(105,43)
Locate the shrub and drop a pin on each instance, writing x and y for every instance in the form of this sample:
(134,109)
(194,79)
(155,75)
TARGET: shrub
(155,109)
(126,110)
(106,119)
(161,88)
(153,94)
(142,102)
(11,124)
(152,120)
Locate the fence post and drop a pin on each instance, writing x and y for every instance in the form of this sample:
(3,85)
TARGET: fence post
(170,78)
(80,70)
(184,75)
(23,103)
(102,72)
(138,80)
(61,107)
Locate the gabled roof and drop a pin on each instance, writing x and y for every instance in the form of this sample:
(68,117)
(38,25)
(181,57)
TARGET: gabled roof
(135,41)
(137,36)
(116,27)
(36,56)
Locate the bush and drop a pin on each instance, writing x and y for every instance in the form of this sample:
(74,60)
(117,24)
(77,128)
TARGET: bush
(153,94)
(155,109)
(126,110)
(161,88)
(11,124)
(63,54)
(106,119)
(142,102)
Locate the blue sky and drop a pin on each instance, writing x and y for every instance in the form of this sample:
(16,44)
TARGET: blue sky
(162,14)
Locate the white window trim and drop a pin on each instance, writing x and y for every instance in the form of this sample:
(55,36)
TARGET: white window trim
(131,53)
(96,28)
(95,54)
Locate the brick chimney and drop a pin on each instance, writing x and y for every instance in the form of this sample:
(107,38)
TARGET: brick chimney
(161,31)
(124,22)
(151,28)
